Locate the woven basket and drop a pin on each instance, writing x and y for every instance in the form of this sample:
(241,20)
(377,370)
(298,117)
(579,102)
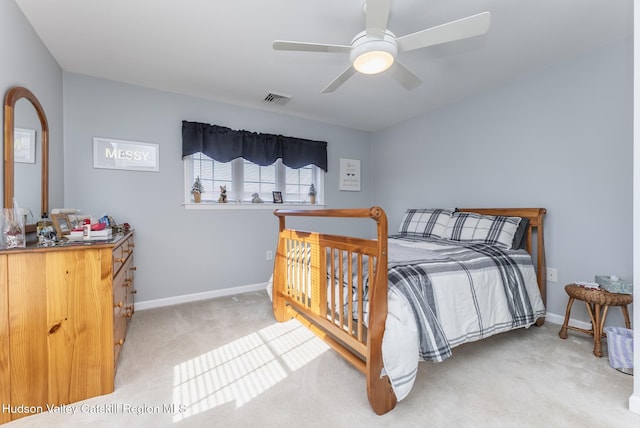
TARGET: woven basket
(620,346)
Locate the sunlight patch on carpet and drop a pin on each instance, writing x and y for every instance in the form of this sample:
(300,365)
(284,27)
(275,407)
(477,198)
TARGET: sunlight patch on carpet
(243,369)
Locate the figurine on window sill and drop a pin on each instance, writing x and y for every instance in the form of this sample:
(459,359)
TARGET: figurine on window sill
(223,195)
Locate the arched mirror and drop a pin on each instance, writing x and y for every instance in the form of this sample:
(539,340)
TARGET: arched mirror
(26,154)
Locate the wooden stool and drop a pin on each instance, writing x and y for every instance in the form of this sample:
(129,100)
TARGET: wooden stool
(597,302)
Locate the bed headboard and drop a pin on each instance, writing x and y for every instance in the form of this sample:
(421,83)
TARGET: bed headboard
(536,222)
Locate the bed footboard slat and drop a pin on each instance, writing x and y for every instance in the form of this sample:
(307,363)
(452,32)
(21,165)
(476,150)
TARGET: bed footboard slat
(350,295)
(340,290)
(333,274)
(360,331)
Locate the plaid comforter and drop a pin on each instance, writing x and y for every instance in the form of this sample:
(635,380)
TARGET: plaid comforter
(469,270)
(455,294)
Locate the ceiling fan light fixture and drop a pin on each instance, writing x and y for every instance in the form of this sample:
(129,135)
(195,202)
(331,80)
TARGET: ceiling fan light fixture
(375,49)
(372,55)
(373,62)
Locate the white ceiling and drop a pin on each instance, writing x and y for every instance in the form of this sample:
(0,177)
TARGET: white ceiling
(222,50)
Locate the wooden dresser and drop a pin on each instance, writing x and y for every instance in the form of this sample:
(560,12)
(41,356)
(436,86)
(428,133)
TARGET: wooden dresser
(65,312)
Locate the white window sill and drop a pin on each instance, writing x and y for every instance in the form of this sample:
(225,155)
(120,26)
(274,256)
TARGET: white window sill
(249,206)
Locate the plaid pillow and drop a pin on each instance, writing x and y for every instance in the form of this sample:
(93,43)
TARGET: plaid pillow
(476,228)
(431,223)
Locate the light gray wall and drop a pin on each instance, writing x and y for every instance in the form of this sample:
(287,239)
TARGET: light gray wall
(180,251)
(27,62)
(559,138)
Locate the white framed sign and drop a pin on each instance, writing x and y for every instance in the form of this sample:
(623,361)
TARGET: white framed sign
(24,145)
(121,154)
(350,175)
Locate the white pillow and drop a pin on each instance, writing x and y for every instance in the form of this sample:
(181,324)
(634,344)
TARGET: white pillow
(477,228)
(431,223)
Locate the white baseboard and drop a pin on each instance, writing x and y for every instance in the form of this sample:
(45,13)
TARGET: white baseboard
(559,319)
(185,298)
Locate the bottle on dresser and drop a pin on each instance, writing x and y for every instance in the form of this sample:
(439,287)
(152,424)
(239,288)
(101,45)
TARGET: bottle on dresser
(45,232)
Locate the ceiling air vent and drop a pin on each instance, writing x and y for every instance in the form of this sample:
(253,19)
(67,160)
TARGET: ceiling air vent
(280,99)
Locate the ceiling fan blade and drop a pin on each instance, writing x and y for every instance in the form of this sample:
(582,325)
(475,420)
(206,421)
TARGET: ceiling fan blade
(282,45)
(404,76)
(377,16)
(470,26)
(339,80)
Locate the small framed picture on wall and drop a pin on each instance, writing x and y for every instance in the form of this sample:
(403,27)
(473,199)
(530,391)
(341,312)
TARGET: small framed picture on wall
(350,175)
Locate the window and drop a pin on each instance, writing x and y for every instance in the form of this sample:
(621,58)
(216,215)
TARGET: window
(243,179)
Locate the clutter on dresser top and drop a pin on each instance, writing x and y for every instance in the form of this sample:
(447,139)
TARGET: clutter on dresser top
(72,225)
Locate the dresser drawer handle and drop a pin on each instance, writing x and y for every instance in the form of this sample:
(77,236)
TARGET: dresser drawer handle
(119,304)
(120,342)
(134,291)
(128,314)
(133,268)
(120,260)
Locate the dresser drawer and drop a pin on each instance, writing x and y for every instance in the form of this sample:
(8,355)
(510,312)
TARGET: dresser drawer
(120,289)
(119,334)
(118,259)
(129,285)
(121,253)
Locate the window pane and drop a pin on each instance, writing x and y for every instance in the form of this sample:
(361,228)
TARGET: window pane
(213,174)
(221,177)
(298,182)
(202,166)
(305,176)
(258,179)
(251,178)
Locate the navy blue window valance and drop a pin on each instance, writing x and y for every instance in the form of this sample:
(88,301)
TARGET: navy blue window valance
(225,144)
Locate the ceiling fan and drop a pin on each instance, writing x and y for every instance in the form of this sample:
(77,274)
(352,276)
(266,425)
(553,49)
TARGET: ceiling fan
(375,50)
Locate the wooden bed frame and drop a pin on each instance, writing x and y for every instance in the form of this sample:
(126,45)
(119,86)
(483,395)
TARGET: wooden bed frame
(300,286)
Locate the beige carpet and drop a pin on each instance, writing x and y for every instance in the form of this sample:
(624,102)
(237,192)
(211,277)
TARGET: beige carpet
(227,363)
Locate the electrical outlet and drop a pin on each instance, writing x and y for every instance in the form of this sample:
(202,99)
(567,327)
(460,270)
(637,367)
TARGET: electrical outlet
(552,274)
(269,255)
